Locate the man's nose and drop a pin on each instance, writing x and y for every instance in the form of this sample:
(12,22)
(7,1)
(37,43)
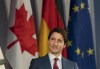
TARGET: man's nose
(55,42)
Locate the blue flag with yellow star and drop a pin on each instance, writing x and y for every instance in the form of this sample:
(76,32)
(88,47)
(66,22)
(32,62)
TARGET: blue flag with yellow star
(80,38)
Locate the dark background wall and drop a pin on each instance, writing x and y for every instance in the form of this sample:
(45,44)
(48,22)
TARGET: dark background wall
(97,28)
(3,25)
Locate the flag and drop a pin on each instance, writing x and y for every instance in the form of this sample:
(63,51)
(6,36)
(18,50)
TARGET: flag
(80,37)
(21,42)
(51,18)
(66,4)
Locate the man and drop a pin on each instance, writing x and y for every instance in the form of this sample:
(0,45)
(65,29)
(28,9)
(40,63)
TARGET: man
(57,40)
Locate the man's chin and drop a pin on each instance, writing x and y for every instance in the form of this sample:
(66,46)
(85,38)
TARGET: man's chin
(55,52)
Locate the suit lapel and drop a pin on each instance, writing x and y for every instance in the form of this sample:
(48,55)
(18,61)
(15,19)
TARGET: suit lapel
(47,62)
(64,64)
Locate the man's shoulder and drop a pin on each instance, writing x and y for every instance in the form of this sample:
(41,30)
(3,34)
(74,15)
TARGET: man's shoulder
(68,61)
(39,58)
(69,64)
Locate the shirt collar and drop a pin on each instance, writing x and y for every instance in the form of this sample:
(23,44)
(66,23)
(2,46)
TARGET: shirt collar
(51,56)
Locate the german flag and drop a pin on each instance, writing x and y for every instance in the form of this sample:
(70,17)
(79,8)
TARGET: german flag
(51,18)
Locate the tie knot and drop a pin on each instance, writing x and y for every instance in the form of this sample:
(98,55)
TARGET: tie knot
(56,59)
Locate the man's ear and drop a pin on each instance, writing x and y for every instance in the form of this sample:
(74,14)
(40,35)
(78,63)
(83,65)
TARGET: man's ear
(64,45)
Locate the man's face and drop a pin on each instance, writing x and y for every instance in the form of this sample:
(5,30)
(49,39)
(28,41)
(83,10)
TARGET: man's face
(56,43)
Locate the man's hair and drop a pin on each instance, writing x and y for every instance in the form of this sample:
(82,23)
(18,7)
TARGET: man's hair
(61,31)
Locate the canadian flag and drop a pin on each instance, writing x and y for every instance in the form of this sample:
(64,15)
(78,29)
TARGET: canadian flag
(21,42)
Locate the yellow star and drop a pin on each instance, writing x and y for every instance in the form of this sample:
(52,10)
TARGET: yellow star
(89,10)
(90,51)
(82,5)
(78,51)
(82,54)
(69,43)
(76,8)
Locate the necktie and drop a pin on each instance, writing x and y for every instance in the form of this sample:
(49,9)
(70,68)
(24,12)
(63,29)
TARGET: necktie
(55,63)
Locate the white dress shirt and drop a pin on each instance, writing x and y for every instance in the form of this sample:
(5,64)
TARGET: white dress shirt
(59,62)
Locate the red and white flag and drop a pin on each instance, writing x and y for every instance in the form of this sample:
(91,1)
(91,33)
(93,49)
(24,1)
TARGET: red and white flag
(21,42)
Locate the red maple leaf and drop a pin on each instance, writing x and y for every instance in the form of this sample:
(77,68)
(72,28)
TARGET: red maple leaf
(24,30)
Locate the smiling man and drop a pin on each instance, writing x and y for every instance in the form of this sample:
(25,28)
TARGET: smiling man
(57,40)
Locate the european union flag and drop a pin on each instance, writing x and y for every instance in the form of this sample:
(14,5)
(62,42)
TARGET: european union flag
(80,43)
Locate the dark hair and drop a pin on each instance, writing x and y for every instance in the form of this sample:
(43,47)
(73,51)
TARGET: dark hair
(61,31)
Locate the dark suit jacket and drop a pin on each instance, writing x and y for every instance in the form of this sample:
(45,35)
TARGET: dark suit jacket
(44,63)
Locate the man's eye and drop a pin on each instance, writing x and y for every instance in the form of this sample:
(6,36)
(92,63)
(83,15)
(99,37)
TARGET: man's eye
(60,41)
(52,38)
